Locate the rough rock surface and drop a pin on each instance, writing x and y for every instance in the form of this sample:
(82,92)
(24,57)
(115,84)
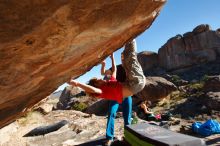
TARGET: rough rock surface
(200,45)
(65,99)
(199,71)
(156,88)
(212,87)
(212,100)
(96,106)
(212,84)
(43,43)
(148,60)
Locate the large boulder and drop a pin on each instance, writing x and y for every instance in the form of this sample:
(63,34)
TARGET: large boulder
(199,46)
(212,100)
(67,96)
(45,42)
(212,84)
(156,88)
(100,107)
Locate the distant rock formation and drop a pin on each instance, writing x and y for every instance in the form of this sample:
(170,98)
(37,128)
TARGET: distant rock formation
(192,48)
(44,43)
(148,60)
(200,45)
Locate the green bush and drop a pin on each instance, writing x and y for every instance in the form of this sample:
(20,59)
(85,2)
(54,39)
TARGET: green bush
(176,96)
(80,106)
(204,78)
(197,86)
(175,79)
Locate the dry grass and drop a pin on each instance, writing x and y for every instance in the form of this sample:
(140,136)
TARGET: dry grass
(32,117)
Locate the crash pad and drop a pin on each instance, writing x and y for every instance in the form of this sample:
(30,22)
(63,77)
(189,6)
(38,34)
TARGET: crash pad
(145,134)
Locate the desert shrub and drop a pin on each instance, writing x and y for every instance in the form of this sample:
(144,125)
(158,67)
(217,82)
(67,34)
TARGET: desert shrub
(175,78)
(176,96)
(31,117)
(177,116)
(204,78)
(196,86)
(79,106)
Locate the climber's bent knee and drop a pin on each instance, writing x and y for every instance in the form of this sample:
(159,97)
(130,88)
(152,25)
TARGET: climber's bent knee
(138,86)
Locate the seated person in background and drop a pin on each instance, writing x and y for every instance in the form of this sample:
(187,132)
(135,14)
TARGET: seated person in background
(148,113)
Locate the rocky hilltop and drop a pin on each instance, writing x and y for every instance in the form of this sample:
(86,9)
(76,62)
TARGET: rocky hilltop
(181,51)
(44,43)
(200,45)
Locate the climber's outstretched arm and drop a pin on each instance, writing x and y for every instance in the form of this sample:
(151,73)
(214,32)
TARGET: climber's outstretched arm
(87,88)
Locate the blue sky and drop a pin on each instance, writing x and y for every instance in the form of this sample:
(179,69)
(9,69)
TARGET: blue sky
(176,17)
